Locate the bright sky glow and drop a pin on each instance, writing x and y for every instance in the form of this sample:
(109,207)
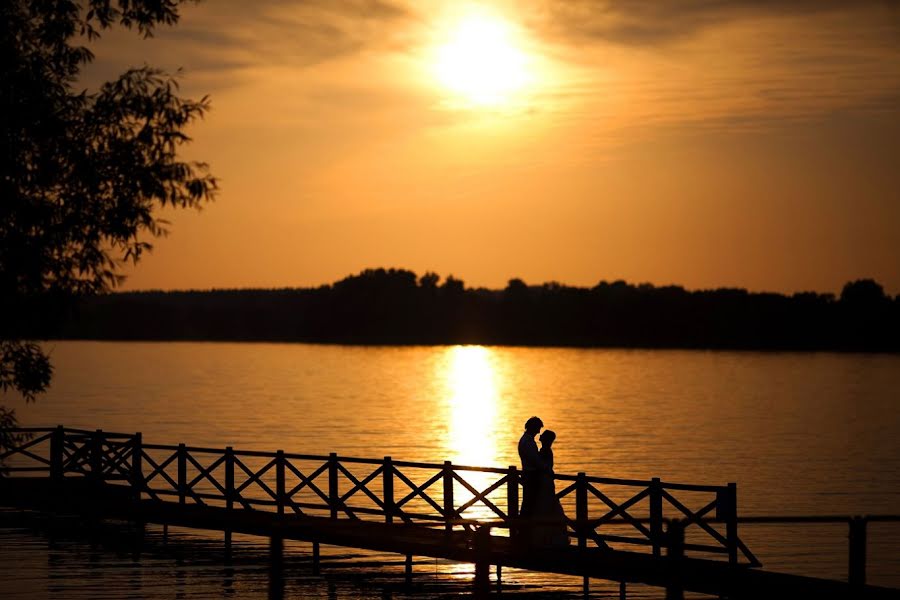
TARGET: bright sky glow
(662,142)
(481,62)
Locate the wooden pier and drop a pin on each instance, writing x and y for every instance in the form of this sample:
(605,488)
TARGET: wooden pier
(681,537)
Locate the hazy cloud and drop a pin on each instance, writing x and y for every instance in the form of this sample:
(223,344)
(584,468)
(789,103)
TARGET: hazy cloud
(652,22)
(289,32)
(220,36)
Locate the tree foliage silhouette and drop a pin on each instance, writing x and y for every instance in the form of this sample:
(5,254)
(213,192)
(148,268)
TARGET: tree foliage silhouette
(81,173)
(394,306)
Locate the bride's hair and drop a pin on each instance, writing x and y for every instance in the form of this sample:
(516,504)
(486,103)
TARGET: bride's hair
(548,436)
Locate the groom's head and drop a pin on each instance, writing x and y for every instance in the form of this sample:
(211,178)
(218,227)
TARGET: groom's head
(534,425)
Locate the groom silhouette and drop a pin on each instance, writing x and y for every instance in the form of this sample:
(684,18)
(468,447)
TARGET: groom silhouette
(531,464)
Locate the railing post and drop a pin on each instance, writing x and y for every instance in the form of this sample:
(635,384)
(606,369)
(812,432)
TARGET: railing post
(581,524)
(333,494)
(229,478)
(726,510)
(482,543)
(182,474)
(674,555)
(512,500)
(449,510)
(656,516)
(387,479)
(229,491)
(57,442)
(280,491)
(581,510)
(97,455)
(137,465)
(856,568)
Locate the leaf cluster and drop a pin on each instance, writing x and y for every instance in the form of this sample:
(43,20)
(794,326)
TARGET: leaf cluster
(82,173)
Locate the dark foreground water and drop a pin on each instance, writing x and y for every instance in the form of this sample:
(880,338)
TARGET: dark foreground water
(799,433)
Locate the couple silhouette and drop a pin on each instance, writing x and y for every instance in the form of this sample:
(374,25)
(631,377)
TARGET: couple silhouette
(544,521)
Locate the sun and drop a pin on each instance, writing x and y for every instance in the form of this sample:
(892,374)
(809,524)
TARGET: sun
(480,61)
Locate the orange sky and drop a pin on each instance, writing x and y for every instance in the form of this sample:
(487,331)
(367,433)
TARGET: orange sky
(700,142)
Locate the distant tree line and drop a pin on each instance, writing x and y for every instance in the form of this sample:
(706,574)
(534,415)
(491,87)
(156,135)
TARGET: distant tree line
(394,306)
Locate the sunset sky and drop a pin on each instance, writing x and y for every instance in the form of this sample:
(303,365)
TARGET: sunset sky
(705,143)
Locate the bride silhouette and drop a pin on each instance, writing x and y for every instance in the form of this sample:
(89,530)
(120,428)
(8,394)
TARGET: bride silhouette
(550,520)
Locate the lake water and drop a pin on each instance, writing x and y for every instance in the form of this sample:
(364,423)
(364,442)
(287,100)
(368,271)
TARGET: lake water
(800,433)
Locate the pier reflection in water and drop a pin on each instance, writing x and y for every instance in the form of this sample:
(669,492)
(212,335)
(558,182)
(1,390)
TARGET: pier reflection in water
(68,559)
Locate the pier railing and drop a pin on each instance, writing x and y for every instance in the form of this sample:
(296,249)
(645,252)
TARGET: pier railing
(599,510)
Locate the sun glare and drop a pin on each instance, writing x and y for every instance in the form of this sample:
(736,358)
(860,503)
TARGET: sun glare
(481,62)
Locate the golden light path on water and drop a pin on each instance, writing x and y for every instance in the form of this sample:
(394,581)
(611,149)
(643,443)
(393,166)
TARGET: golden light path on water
(472,403)
(472,383)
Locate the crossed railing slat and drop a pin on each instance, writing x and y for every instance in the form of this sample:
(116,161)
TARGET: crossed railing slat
(305,482)
(23,449)
(480,496)
(620,510)
(420,492)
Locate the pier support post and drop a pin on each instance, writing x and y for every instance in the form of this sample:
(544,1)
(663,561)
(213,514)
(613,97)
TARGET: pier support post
(482,546)
(856,568)
(408,569)
(276,550)
(675,554)
(316,558)
(276,567)
(622,591)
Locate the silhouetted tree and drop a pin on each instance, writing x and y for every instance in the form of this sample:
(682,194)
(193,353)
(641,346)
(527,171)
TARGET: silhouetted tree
(380,306)
(863,293)
(866,314)
(453,287)
(80,173)
(429,281)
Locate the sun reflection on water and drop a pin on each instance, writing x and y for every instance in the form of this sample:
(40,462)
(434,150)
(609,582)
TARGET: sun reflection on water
(472,383)
(472,401)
